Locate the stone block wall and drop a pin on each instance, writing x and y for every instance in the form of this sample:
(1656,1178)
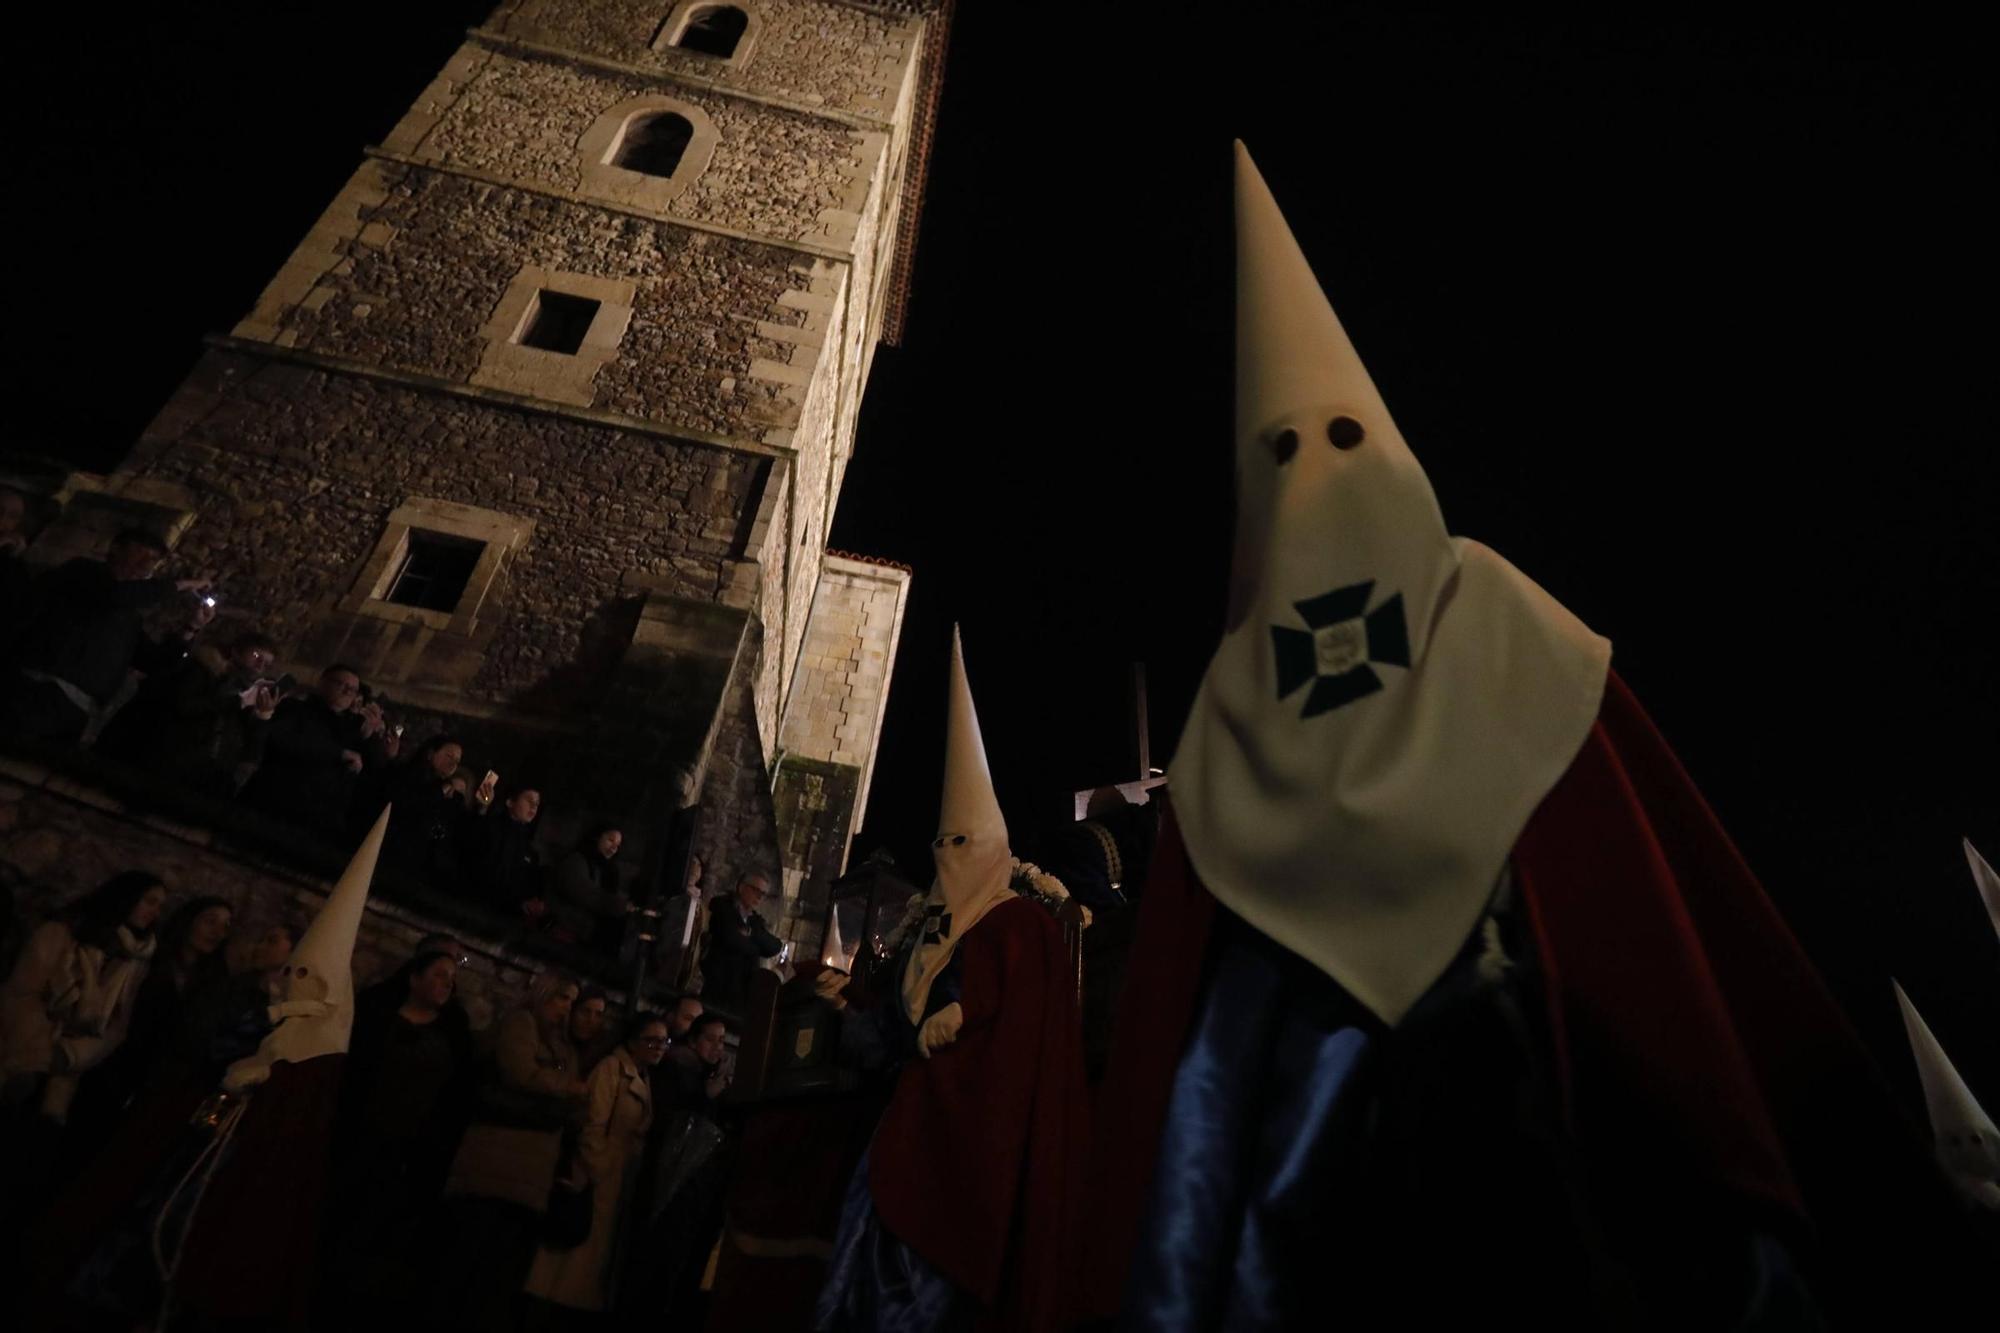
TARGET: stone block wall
(709,346)
(647,608)
(816,808)
(844,58)
(59,840)
(292,470)
(522,117)
(739,829)
(843,682)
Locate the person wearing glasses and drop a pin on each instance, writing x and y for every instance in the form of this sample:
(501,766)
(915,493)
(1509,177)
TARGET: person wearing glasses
(200,722)
(738,939)
(314,748)
(607,1159)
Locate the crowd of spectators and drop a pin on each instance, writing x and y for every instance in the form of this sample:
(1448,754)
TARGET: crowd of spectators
(563,1168)
(114,656)
(563,1172)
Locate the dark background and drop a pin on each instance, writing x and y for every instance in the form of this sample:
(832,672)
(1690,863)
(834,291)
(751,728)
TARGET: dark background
(1690,319)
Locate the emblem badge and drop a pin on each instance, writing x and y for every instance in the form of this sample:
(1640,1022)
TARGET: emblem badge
(1338,649)
(937,923)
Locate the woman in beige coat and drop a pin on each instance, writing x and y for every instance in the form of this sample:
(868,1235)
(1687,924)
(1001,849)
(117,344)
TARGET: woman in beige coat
(66,1004)
(614,1136)
(506,1163)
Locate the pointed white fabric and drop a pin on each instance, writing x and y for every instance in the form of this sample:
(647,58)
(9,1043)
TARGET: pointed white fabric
(833,953)
(316,1016)
(974,864)
(1988,882)
(1389,703)
(1968,1145)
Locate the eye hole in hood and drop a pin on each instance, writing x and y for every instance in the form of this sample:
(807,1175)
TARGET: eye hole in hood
(1344,432)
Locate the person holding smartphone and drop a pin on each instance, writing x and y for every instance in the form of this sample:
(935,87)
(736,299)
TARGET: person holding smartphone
(497,854)
(314,749)
(200,722)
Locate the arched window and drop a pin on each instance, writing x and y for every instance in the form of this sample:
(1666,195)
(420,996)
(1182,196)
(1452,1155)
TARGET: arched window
(653,144)
(713,30)
(645,151)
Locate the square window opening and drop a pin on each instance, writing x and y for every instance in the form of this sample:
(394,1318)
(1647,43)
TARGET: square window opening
(557,322)
(434,571)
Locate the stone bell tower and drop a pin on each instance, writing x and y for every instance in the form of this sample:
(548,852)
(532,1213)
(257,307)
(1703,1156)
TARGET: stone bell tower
(543,423)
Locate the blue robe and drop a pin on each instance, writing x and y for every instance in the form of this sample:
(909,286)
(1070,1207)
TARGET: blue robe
(875,1282)
(1315,1166)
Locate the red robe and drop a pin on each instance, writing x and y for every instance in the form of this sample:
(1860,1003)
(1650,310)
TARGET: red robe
(976,1161)
(1671,982)
(251,1254)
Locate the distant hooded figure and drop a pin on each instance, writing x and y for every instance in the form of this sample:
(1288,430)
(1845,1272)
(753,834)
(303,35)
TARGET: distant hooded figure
(248,1252)
(958,1215)
(1449,996)
(1966,1141)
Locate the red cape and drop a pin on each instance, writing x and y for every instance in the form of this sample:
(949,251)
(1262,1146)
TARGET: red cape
(252,1249)
(976,1161)
(1671,983)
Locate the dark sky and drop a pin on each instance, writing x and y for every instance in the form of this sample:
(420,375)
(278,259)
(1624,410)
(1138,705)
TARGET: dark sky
(1688,319)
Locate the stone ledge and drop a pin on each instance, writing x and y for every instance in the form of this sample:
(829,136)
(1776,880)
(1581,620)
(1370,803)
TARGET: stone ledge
(757,448)
(283,862)
(656,74)
(550,191)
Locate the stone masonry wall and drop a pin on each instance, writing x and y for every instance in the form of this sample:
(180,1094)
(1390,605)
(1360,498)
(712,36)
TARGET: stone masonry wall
(777,560)
(417,284)
(58,841)
(292,472)
(739,825)
(775,173)
(837,56)
(814,444)
(843,682)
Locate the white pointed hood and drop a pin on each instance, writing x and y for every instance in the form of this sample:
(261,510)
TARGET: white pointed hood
(974,864)
(1389,703)
(1988,882)
(1968,1145)
(316,1015)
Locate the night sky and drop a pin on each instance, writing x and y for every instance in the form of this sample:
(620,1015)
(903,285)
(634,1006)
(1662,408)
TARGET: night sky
(1689,320)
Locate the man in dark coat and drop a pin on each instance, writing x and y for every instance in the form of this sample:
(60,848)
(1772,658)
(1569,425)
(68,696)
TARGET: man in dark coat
(313,750)
(200,719)
(85,628)
(737,939)
(497,856)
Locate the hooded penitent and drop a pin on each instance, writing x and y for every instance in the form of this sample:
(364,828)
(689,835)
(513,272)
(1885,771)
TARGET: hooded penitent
(317,1014)
(1968,1145)
(974,864)
(249,1256)
(1392,718)
(1387,699)
(974,1164)
(1988,882)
